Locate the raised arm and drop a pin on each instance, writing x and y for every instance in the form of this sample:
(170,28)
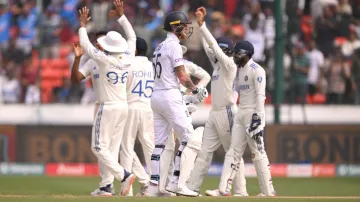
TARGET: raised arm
(85,43)
(76,75)
(218,52)
(124,22)
(210,54)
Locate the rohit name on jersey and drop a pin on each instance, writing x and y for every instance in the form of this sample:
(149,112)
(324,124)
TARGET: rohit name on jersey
(146,74)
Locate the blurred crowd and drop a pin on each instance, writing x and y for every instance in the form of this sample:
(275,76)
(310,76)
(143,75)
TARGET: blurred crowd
(321,60)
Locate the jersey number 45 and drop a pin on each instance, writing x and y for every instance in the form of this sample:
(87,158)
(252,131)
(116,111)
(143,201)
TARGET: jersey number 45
(138,89)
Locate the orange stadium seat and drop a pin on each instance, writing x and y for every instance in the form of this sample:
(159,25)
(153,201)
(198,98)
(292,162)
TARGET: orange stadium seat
(45,63)
(64,51)
(51,73)
(60,63)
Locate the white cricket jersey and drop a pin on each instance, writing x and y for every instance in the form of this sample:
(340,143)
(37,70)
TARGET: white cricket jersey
(222,80)
(194,70)
(112,70)
(91,68)
(251,86)
(166,57)
(140,83)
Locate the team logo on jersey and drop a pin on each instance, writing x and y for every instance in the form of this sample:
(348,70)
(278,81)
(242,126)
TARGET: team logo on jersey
(94,68)
(259,79)
(246,78)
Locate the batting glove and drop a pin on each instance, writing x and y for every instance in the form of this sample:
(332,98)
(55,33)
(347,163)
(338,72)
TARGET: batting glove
(191,107)
(201,93)
(254,129)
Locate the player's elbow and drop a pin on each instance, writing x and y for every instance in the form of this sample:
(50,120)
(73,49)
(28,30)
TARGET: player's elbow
(76,78)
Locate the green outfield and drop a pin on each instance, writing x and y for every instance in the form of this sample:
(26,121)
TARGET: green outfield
(66,189)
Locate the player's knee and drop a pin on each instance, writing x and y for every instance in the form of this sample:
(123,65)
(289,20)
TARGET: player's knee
(195,140)
(257,156)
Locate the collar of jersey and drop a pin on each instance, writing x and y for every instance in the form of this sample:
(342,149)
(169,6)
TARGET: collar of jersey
(173,36)
(248,63)
(142,58)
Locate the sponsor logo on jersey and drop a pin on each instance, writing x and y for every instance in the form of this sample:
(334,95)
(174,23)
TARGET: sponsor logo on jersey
(127,53)
(215,77)
(244,87)
(253,65)
(179,59)
(96,76)
(125,66)
(259,79)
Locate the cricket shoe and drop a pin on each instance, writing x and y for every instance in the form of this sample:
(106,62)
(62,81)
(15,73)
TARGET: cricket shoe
(143,190)
(153,191)
(173,188)
(241,194)
(263,195)
(108,190)
(130,193)
(216,192)
(127,182)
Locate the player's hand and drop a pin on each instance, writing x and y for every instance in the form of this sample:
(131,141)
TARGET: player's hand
(191,107)
(200,93)
(255,122)
(84,16)
(200,15)
(78,50)
(119,9)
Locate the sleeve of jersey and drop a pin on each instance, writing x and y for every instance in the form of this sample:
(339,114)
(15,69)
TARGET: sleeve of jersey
(260,85)
(219,54)
(176,56)
(201,74)
(210,54)
(85,43)
(85,70)
(129,32)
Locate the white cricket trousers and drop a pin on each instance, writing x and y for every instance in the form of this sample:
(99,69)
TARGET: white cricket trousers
(239,141)
(139,124)
(107,133)
(169,113)
(218,131)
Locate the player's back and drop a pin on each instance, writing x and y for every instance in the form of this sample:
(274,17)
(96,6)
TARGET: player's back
(140,83)
(112,77)
(166,57)
(251,82)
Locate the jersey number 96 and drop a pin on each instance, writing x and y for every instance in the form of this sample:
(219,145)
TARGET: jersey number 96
(114,77)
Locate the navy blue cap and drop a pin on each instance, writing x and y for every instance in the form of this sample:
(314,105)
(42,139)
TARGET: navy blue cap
(245,46)
(141,44)
(225,42)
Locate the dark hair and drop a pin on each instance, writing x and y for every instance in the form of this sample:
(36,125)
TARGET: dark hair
(100,33)
(141,46)
(141,52)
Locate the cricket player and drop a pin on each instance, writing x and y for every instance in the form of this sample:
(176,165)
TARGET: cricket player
(110,121)
(140,121)
(196,71)
(218,128)
(204,78)
(249,122)
(169,109)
